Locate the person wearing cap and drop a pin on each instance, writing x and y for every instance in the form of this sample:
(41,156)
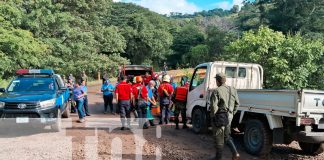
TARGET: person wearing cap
(140,100)
(123,96)
(224,103)
(85,103)
(165,91)
(78,96)
(107,89)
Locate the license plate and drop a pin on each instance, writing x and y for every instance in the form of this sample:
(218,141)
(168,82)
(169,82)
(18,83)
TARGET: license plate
(22,120)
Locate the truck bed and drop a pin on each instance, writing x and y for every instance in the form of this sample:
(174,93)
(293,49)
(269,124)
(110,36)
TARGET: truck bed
(288,103)
(275,102)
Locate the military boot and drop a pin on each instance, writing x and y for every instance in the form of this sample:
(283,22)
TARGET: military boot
(235,154)
(219,153)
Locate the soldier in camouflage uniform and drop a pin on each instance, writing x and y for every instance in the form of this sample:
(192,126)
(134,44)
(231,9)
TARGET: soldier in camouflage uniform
(224,99)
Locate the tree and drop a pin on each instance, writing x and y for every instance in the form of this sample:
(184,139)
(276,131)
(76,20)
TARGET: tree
(297,16)
(289,61)
(187,37)
(19,49)
(217,39)
(197,55)
(146,33)
(235,9)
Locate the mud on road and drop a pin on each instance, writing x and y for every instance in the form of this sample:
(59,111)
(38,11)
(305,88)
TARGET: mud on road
(101,138)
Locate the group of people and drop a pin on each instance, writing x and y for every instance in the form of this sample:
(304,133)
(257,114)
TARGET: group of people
(139,95)
(79,96)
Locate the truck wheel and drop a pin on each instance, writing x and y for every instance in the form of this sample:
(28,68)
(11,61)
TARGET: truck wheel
(199,123)
(311,148)
(56,127)
(257,138)
(66,113)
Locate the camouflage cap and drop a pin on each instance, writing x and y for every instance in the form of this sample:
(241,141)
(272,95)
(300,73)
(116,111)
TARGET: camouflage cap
(221,77)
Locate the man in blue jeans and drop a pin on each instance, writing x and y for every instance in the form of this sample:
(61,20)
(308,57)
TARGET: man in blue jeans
(107,88)
(85,103)
(78,96)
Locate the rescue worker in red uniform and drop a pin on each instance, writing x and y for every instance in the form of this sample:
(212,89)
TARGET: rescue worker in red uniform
(124,96)
(165,91)
(147,78)
(180,100)
(140,100)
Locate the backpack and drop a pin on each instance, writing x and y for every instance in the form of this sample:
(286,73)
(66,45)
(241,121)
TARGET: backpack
(140,102)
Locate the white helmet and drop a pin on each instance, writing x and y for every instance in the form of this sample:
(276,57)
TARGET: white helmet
(166,78)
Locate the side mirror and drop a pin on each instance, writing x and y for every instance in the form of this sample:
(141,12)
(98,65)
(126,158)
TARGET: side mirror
(2,90)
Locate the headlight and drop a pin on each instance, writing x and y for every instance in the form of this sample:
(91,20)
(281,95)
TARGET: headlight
(2,104)
(48,103)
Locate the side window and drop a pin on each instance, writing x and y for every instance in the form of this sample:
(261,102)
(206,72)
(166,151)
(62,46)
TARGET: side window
(230,72)
(242,72)
(198,77)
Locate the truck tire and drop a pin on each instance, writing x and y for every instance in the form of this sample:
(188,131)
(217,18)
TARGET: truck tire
(257,138)
(66,113)
(311,148)
(199,123)
(56,127)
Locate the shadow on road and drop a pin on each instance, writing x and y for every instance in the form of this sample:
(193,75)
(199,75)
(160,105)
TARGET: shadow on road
(15,130)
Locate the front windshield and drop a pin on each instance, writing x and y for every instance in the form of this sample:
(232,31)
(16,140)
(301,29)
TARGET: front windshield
(31,85)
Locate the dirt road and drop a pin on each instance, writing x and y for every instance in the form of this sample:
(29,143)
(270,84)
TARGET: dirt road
(101,138)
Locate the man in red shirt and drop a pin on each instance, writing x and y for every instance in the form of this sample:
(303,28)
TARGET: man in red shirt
(147,78)
(140,93)
(165,91)
(124,96)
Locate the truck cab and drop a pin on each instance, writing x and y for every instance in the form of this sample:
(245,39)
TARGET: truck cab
(239,75)
(35,96)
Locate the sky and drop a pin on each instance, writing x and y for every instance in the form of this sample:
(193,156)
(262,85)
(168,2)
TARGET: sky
(183,6)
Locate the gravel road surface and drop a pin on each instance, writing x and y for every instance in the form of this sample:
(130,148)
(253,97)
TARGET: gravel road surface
(101,138)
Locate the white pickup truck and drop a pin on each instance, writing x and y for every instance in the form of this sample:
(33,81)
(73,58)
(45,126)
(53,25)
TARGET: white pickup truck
(265,117)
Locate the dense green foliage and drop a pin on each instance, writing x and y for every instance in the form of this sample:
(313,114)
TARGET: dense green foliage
(67,36)
(285,36)
(288,61)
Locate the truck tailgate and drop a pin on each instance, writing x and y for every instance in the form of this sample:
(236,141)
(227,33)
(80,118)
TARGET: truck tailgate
(312,106)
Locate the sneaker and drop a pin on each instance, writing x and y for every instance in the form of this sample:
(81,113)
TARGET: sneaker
(113,113)
(81,120)
(122,128)
(88,114)
(105,112)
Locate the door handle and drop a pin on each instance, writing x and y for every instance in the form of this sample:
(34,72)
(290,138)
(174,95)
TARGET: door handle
(201,96)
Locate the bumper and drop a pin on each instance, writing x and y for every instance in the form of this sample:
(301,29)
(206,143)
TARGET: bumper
(310,137)
(38,115)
